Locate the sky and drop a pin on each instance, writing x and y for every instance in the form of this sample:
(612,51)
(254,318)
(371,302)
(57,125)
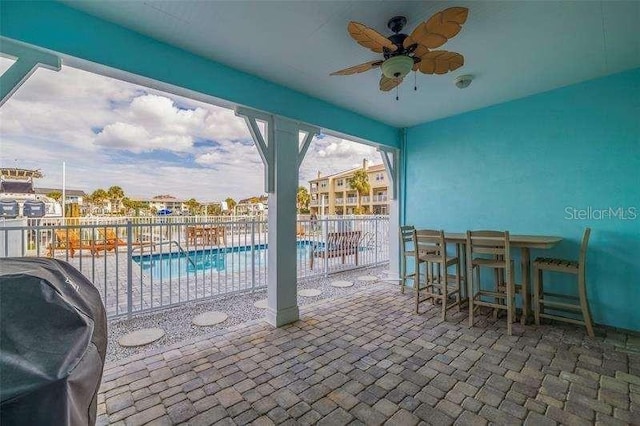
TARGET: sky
(111,132)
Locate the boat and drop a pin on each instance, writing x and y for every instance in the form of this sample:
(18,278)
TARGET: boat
(19,199)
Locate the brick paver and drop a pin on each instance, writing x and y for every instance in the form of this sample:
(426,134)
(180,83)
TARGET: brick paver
(369,359)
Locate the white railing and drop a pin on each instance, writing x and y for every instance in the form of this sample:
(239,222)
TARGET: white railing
(143,264)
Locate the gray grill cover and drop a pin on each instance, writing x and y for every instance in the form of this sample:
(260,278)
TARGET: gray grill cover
(53,342)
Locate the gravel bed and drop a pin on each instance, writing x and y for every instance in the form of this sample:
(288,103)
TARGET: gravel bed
(176,322)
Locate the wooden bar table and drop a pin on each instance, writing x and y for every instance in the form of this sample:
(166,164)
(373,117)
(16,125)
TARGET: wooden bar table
(525,243)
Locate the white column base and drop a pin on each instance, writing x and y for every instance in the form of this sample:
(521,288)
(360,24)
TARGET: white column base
(283,316)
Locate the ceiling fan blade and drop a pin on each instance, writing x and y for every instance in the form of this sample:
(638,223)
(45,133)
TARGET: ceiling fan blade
(387,83)
(358,68)
(440,62)
(439,28)
(369,38)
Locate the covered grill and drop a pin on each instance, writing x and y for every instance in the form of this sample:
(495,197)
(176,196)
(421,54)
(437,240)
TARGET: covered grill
(52,343)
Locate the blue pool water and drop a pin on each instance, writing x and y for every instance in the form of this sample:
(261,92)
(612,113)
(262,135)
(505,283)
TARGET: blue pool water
(224,260)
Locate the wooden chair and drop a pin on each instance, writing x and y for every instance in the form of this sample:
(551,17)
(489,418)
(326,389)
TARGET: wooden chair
(407,250)
(339,244)
(217,235)
(432,250)
(195,235)
(495,244)
(561,302)
(110,237)
(70,240)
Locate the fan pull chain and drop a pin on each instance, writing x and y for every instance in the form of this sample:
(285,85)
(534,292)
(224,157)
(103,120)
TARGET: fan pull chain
(397,91)
(415,81)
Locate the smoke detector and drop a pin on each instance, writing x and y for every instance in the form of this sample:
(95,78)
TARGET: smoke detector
(463,81)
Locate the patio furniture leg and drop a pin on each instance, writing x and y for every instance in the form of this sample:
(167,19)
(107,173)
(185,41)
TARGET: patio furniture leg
(584,304)
(444,295)
(403,273)
(416,283)
(510,303)
(470,291)
(537,281)
(458,281)
(526,274)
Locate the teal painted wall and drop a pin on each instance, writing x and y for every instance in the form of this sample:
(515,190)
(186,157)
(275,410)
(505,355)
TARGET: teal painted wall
(517,166)
(65,30)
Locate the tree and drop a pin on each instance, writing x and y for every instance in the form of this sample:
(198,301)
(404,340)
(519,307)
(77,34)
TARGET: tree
(360,183)
(56,195)
(231,203)
(214,209)
(115,195)
(193,206)
(131,206)
(303,199)
(98,197)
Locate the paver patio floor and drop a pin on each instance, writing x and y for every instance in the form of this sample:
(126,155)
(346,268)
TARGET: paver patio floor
(369,359)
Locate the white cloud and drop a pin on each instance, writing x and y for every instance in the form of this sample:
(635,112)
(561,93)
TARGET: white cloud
(341,148)
(209,158)
(137,139)
(111,132)
(331,155)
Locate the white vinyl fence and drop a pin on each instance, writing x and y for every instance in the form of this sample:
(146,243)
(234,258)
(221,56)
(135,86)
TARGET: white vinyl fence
(142,264)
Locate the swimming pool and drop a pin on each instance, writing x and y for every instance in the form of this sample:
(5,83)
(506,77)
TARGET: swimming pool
(222,260)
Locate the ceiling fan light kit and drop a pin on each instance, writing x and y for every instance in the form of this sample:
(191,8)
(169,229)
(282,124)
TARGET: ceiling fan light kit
(397,66)
(403,53)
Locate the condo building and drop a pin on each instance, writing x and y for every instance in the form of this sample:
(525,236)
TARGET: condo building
(332,194)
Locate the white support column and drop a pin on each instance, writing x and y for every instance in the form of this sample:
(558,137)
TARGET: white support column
(282,278)
(391,160)
(28,59)
(281,154)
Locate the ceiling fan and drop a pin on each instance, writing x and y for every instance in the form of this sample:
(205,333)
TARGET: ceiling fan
(403,53)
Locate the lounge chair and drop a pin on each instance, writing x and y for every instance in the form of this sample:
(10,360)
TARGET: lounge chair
(71,241)
(110,236)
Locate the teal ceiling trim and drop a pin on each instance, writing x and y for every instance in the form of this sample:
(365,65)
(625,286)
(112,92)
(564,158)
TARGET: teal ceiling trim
(70,32)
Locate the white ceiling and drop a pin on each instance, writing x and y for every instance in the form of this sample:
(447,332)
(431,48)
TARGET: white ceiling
(514,48)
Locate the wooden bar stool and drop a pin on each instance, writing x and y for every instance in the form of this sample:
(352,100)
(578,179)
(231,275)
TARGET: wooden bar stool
(432,251)
(407,250)
(561,302)
(496,244)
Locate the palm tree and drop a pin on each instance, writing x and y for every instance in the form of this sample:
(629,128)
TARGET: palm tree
(193,206)
(98,197)
(303,199)
(115,195)
(360,183)
(131,205)
(56,195)
(231,203)
(214,209)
